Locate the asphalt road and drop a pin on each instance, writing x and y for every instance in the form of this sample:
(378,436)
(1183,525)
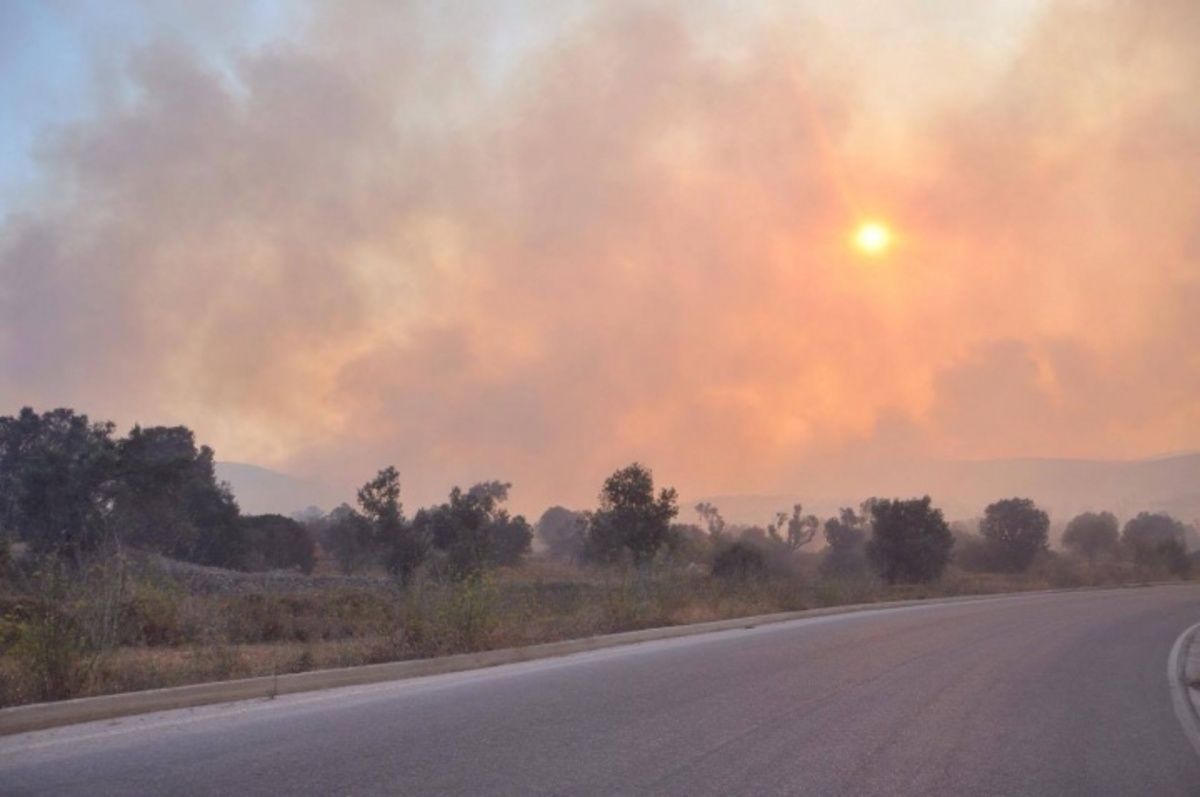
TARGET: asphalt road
(1061,694)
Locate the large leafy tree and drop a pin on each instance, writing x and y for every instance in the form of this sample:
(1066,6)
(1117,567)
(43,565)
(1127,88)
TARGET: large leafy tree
(1092,534)
(1157,540)
(910,540)
(66,485)
(473,531)
(167,498)
(1015,530)
(563,532)
(631,518)
(512,536)
(275,542)
(56,480)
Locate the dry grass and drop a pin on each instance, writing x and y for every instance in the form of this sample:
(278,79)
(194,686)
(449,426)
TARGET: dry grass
(112,630)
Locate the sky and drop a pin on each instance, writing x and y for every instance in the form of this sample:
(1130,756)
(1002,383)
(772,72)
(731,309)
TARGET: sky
(536,241)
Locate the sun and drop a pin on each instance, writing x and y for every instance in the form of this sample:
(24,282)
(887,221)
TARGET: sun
(873,238)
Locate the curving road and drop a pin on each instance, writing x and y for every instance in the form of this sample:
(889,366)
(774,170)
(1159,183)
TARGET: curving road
(1063,694)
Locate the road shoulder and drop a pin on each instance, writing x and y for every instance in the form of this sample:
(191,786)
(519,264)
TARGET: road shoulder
(1183,674)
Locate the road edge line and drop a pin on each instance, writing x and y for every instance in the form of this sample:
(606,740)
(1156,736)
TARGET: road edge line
(1181,699)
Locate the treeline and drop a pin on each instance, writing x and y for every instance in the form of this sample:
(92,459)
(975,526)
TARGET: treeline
(459,539)
(900,541)
(70,487)
(472,531)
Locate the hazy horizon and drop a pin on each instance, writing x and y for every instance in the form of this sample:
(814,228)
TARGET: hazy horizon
(961,489)
(536,242)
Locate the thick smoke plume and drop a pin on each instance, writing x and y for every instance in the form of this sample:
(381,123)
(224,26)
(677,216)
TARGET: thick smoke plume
(508,242)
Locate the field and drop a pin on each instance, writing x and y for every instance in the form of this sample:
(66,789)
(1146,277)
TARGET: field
(128,623)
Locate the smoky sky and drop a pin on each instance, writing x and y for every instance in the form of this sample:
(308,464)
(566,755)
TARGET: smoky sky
(535,242)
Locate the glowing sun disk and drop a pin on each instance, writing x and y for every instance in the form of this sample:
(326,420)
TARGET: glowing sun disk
(872,238)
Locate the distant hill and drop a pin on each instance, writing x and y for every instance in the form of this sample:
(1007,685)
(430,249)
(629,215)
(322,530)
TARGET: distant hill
(262,491)
(962,489)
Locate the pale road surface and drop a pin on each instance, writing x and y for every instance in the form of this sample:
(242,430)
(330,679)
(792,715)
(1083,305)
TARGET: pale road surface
(1061,694)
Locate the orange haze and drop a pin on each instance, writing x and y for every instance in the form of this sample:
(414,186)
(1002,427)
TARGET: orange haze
(410,236)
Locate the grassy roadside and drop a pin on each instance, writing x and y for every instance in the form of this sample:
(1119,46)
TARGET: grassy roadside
(122,626)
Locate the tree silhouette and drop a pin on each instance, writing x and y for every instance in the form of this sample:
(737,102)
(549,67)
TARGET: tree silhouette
(910,540)
(1092,534)
(1015,531)
(631,518)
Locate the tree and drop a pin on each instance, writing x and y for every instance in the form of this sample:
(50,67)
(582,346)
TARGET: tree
(846,536)
(406,547)
(167,499)
(631,519)
(1174,557)
(1015,531)
(380,501)
(711,516)
(798,527)
(1092,534)
(472,531)
(563,532)
(348,536)
(512,536)
(215,514)
(56,479)
(1157,540)
(910,540)
(66,485)
(1149,529)
(275,542)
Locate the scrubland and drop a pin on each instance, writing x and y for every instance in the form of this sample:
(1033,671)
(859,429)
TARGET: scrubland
(131,622)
